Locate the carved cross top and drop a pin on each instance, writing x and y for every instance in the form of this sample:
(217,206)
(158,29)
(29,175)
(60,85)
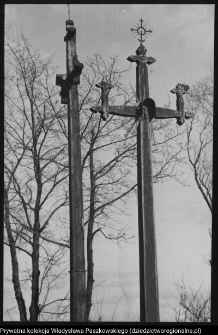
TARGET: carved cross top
(141,30)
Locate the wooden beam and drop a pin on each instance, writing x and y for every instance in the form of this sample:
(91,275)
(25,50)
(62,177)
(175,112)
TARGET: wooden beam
(131,111)
(166,113)
(77,255)
(128,111)
(149,296)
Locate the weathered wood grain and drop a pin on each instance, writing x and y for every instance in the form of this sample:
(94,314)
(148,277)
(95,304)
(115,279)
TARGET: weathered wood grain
(77,256)
(149,297)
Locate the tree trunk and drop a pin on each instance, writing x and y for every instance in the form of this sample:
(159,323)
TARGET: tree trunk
(34,307)
(90,264)
(15,266)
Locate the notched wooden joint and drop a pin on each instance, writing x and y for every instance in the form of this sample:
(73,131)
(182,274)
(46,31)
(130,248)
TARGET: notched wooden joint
(74,77)
(61,81)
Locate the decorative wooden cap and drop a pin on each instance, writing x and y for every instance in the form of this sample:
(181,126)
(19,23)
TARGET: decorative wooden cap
(69,25)
(71,30)
(180,88)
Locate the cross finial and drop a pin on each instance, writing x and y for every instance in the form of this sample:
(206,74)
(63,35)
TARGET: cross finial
(141,30)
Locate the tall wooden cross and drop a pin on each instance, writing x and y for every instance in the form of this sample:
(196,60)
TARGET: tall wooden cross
(145,112)
(69,95)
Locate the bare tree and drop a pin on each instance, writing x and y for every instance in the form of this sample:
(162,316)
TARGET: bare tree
(193,305)
(35,175)
(200,135)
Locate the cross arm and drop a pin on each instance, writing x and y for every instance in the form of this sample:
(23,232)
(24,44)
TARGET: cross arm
(141,58)
(65,81)
(136,111)
(166,113)
(128,111)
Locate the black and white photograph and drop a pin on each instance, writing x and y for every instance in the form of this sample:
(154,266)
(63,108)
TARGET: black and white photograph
(108,163)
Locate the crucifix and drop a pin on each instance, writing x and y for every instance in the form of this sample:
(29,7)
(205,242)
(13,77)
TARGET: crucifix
(144,113)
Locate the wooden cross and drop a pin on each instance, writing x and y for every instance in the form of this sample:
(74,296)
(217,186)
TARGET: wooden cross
(146,111)
(69,96)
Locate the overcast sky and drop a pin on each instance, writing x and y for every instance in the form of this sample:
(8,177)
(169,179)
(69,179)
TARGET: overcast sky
(182,43)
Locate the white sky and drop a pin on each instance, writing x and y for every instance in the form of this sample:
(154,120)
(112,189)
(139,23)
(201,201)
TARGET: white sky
(182,42)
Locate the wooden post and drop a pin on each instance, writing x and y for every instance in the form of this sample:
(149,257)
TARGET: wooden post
(77,257)
(144,113)
(149,297)
(69,95)
(214,247)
